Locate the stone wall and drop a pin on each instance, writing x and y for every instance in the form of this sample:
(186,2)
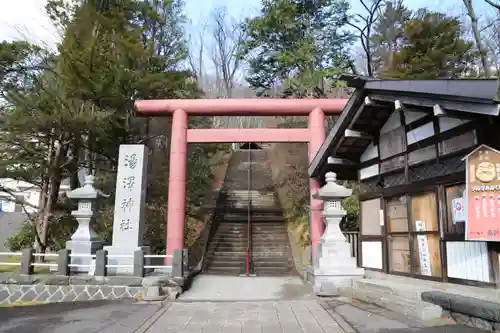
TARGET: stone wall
(466,310)
(53,288)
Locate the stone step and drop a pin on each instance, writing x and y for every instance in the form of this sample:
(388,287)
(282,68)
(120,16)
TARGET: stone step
(276,262)
(244,213)
(259,270)
(256,239)
(390,287)
(271,225)
(275,256)
(256,243)
(255,202)
(406,306)
(256,234)
(242,218)
(228,244)
(261,207)
(229,248)
(238,224)
(257,246)
(255,226)
(280,245)
(236,261)
(224,270)
(267,228)
(255,210)
(244,228)
(273,271)
(222,247)
(255,254)
(227,263)
(271,248)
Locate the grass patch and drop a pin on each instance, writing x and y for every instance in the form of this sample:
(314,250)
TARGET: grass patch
(15,269)
(21,303)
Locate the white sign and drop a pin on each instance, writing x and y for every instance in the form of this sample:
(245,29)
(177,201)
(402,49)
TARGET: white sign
(130,198)
(423,249)
(381,217)
(458,214)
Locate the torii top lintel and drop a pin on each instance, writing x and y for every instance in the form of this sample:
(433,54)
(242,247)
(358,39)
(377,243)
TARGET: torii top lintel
(239,107)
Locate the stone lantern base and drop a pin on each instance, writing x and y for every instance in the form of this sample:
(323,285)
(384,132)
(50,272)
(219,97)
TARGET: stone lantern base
(86,248)
(335,267)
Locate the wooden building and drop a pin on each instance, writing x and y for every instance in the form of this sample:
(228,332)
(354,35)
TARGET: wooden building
(405,142)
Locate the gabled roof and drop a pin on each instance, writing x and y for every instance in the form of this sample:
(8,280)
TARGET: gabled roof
(462,98)
(480,147)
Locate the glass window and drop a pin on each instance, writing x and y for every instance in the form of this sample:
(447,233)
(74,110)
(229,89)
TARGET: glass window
(427,255)
(424,213)
(397,215)
(370,217)
(399,254)
(455,205)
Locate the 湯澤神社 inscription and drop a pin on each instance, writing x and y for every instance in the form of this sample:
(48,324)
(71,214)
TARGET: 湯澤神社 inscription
(130,196)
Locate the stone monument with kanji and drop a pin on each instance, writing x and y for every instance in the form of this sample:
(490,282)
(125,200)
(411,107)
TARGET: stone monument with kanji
(129,212)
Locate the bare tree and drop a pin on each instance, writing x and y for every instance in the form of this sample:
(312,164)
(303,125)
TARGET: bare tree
(492,41)
(214,57)
(196,55)
(483,51)
(493,4)
(363,24)
(227,37)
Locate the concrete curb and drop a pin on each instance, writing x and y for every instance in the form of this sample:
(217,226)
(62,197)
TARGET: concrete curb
(408,307)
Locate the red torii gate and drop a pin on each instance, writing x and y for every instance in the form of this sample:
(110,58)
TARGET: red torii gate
(180,110)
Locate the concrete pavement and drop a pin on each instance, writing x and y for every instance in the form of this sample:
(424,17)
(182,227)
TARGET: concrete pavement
(222,304)
(231,288)
(304,316)
(80,317)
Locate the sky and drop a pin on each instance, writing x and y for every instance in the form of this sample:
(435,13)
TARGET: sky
(26,19)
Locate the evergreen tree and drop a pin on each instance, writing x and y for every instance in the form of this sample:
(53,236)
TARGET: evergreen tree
(74,109)
(296,45)
(388,32)
(432,47)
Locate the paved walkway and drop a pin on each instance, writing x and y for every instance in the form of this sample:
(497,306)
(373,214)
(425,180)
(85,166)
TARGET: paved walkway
(232,288)
(222,305)
(304,316)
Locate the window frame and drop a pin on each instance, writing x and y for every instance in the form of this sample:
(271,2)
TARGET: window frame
(450,235)
(412,236)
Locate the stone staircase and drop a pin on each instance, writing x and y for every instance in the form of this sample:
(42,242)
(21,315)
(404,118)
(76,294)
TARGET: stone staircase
(270,250)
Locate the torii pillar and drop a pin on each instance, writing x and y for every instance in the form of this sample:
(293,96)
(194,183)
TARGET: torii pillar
(316,126)
(180,110)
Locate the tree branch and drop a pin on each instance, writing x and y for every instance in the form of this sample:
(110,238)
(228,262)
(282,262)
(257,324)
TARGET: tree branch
(491,3)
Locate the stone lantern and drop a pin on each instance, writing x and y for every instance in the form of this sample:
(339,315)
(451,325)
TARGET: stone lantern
(85,241)
(335,266)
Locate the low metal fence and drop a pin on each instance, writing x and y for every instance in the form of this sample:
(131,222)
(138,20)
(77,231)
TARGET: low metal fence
(63,262)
